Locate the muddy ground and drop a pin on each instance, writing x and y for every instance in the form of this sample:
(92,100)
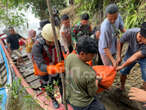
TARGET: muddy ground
(114,99)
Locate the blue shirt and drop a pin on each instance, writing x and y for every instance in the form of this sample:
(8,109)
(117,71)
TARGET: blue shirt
(107,37)
(130,37)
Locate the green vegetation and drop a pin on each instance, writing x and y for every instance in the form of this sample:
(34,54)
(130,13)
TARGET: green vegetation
(20,98)
(133,11)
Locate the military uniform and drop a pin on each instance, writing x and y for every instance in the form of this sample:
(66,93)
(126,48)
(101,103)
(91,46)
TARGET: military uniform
(80,30)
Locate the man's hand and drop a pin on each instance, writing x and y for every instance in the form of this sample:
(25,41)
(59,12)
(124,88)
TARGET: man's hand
(118,61)
(137,94)
(114,63)
(54,69)
(60,67)
(119,68)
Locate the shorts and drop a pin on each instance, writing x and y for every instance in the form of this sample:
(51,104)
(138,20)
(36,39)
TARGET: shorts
(128,68)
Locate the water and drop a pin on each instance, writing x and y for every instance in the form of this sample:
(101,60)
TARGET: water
(32,22)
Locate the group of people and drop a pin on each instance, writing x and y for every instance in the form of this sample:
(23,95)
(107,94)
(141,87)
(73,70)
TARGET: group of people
(81,80)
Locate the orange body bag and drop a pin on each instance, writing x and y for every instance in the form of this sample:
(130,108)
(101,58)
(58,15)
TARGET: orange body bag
(107,73)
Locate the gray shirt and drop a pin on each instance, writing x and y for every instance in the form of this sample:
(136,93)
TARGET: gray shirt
(130,37)
(107,37)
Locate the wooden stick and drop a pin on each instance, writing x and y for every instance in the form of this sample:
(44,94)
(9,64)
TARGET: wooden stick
(58,51)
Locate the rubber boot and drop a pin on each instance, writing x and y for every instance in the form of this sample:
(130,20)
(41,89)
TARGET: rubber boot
(123,80)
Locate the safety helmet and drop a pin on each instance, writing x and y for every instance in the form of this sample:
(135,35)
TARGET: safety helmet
(47,33)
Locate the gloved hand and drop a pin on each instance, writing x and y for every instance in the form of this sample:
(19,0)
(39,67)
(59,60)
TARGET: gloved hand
(58,68)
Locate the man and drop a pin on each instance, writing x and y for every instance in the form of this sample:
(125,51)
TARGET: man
(13,44)
(82,28)
(81,83)
(95,34)
(109,33)
(45,62)
(136,53)
(65,34)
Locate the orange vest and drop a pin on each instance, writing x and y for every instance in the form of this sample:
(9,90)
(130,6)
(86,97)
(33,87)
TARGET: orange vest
(37,71)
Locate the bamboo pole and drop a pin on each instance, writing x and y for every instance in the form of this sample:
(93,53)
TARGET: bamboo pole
(58,51)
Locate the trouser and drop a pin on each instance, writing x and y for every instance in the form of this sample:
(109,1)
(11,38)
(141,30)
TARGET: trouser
(47,82)
(95,105)
(106,61)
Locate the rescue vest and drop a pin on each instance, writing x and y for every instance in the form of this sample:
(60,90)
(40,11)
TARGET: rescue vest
(49,56)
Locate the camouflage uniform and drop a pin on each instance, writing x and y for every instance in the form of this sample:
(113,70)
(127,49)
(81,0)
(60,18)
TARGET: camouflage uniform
(79,30)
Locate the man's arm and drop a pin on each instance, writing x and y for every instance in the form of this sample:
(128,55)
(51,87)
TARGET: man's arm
(38,57)
(133,58)
(8,47)
(121,27)
(119,49)
(109,55)
(8,44)
(92,85)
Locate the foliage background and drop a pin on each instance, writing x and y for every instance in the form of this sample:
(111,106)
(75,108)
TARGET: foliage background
(133,11)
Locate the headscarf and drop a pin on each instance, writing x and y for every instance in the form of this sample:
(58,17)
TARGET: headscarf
(31,33)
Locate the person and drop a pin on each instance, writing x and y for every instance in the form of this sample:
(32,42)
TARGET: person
(136,53)
(13,44)
(137,94)
(81,83)
(56,14)
(65,34)
(95,34)
(108,35)
(42,24)
(29,43)
(82,28)
(45,62)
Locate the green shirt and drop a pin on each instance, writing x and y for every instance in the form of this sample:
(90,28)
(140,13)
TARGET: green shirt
(80,81)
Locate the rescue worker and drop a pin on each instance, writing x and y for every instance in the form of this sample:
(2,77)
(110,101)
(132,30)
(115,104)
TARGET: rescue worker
(45,61)
(81,79)
(136,53)
(109,32)
(82,28)
(42,24)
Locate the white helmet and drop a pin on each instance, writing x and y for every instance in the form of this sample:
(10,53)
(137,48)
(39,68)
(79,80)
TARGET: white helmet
(47,33)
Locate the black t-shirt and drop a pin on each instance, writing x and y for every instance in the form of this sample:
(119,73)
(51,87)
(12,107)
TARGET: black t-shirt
(13,40)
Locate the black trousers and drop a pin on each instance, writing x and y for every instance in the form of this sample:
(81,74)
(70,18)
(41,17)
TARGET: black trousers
(47,82)
(95,105)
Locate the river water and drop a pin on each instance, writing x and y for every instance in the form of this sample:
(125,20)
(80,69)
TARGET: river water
(32,22)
